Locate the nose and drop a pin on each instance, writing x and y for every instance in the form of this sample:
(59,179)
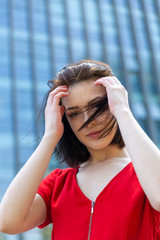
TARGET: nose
(86,117)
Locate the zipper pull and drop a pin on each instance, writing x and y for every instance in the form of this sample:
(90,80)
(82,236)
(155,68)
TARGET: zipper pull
(90,223)
(92,208)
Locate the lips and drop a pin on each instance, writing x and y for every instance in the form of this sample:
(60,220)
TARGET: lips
(94,134)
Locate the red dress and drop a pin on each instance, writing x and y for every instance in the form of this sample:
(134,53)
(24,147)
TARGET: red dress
(120,212)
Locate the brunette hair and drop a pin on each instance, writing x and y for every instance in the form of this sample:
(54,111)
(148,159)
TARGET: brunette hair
(69,149)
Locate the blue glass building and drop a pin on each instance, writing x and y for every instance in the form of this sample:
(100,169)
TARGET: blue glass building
(39,37)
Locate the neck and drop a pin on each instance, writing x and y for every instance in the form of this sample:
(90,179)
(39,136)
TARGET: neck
(98,156)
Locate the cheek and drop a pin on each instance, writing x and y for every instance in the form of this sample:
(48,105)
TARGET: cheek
(75,126)
(104,118)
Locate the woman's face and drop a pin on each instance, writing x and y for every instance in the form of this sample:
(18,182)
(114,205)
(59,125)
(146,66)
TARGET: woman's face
(79,96)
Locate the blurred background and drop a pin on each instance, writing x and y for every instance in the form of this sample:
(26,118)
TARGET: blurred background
(39,37)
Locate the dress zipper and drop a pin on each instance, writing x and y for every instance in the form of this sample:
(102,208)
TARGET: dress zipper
(90,223)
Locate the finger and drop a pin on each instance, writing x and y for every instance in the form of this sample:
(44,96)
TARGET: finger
(111,80)
(58,89)
(54,92)
(102,81)
(58,96)
(115,80)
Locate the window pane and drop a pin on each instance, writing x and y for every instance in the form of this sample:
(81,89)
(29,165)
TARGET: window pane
(20,21)
(74,9)
(135,82)
(40,5)
(22,68)
(19,4)
(39,22)
(4,16)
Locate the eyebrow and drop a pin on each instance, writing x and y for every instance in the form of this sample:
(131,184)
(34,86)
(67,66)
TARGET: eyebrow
(91,101)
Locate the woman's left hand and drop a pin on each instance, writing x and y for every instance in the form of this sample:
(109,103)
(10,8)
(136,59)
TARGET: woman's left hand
(116,93)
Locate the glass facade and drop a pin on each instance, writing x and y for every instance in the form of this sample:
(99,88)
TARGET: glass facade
(38,37)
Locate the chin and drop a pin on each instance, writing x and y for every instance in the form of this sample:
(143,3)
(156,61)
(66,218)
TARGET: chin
(99,144)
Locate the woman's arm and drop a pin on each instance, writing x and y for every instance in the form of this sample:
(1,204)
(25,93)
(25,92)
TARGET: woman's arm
(21,209)
(143,152)
(144,155)
(20,195)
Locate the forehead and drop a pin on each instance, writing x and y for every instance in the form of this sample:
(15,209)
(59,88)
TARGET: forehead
(81,93)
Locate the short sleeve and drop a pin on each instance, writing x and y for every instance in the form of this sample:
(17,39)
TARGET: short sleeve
(45,191)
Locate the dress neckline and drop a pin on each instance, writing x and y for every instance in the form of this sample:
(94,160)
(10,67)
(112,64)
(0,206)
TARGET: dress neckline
(105,188)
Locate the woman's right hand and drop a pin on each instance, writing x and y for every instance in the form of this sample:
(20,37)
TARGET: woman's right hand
(29,208)
(54,112)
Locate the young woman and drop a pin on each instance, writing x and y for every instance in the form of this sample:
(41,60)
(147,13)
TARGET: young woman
(111,189)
